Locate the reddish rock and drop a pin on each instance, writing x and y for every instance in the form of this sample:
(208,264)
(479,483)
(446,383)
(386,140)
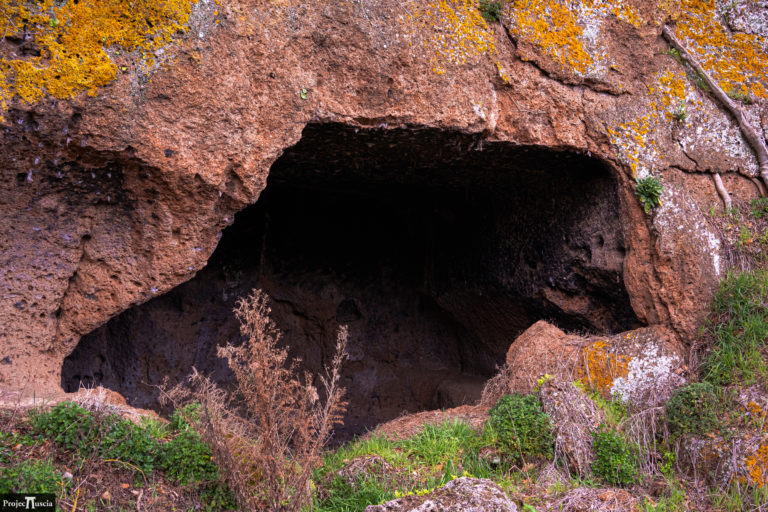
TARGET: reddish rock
(107,202)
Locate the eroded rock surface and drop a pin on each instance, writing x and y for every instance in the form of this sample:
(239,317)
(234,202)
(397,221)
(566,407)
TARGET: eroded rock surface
(460,495)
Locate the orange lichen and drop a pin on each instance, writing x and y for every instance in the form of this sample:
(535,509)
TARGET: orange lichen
(737,60)
(757,466)
(456,31)
(74,39)
(636,139)
(601,367)
(558,28)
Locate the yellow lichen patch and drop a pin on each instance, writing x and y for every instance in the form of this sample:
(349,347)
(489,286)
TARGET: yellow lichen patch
(636,140)
(601,367)
(568,31)
(74,39)
(452,31)
(737,60)
(757,466)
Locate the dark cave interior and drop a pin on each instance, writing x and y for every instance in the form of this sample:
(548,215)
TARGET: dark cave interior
(435,248)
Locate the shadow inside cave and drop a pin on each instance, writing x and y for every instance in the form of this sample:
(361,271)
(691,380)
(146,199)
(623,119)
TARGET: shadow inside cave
(434,250)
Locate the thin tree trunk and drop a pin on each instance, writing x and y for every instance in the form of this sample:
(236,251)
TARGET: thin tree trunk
(755,140)
(726,197)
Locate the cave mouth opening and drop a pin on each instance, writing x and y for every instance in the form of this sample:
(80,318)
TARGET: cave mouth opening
(436,250)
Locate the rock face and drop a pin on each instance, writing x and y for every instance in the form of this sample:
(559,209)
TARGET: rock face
(438,213)
(459,495)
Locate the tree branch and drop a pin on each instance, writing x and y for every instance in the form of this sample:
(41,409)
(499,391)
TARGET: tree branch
(754,139)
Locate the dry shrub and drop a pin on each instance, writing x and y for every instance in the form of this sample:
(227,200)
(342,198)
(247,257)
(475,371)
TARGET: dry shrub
(496,387)
(574,417)
(267,436)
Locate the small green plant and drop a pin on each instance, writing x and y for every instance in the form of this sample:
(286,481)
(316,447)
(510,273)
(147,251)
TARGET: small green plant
(675,53)
(154,427)
(673,499)
(759,207)
(491,10)
(679,113)
(520,426)
(667,464)
(615,458)
(738,328)
(693,409)
(124,441)
(739,95)
(38,476)
(649,190)
(698,79)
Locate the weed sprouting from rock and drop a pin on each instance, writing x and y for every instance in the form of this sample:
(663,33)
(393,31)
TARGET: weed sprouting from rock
(491,10)
(649,191)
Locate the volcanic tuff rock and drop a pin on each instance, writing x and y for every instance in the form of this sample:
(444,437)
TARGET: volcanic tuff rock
(111,200)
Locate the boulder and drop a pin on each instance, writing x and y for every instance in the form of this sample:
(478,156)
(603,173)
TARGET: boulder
(642,366)
(460,495)
(541,349)
(586,499)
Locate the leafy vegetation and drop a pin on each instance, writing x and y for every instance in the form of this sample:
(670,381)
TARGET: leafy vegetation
(175,449)
(693,409)
(520,427)
(680,114)
(649,190)
(615,458)
(491,10)
(30,476)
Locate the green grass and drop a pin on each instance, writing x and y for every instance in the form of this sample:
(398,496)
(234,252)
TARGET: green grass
(739,329)
(428,460)
(673,500)
(736,498)
(615,409)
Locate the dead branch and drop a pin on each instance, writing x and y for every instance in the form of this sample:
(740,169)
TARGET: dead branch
(755,140)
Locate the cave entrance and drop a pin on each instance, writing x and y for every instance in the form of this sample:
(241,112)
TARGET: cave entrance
(435,250)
